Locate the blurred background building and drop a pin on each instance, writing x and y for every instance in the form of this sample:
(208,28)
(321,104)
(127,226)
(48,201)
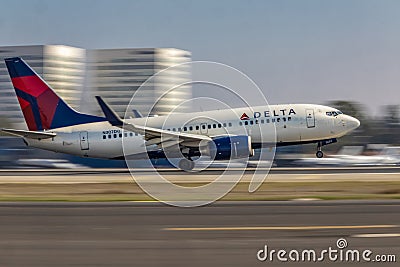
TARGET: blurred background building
(117,74)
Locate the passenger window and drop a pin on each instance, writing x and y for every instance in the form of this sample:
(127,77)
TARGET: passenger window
(224,124)
(104,137)
(214,126)
(278,119)
(262,121)
(284,119)
(179,129)
(197,127)
(246,123)
(191,128)
(115,135)
(173,129)
(240,123)
(136,134)
(267,121)
(209,126)
(289,118)
(109,136)
(219,125)
(272,120)
(256,121)
(203,126)
(230,124)
(251,122)
(120,135)
(125,135)
(185,129)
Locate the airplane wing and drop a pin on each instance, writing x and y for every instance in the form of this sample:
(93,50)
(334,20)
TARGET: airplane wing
(29,134)
(152,135)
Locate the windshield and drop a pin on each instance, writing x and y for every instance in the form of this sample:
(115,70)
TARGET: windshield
(334,113)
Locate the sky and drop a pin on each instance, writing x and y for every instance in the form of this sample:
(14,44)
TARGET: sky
(308,51)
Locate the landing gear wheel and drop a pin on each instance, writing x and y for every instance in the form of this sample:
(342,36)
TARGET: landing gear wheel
(319,153)
(186,164)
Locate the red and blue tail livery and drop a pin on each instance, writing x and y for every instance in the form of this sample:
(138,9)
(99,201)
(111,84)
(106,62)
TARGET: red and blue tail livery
(43,109)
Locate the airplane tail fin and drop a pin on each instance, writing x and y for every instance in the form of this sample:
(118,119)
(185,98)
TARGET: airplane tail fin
(43,109)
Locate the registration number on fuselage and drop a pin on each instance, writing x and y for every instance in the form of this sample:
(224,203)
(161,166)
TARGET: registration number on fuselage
(112,131)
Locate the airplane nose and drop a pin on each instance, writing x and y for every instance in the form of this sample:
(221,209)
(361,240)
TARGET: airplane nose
(352,123)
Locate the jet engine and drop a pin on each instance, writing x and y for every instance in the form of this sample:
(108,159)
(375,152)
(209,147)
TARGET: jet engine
(228,147)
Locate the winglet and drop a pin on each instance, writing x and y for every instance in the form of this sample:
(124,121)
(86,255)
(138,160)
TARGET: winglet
(137,114)
(110,114)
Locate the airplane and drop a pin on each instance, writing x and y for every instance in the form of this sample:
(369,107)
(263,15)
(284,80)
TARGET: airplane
(220,134)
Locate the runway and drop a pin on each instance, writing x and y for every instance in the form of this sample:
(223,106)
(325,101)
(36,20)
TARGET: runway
(76,176)
(222,234)
(274,170)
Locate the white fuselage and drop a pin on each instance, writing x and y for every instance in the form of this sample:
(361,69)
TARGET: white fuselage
(293,124)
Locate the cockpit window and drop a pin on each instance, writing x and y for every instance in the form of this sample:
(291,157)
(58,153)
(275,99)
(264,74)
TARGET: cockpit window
(334,113)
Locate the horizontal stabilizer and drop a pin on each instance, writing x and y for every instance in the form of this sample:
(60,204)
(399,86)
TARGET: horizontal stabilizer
(29,134)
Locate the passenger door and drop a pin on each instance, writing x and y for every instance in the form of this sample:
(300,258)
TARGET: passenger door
(84,140)
(310,119)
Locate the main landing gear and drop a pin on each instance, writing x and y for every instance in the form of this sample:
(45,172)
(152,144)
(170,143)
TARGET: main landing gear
(186,164)
(319,153)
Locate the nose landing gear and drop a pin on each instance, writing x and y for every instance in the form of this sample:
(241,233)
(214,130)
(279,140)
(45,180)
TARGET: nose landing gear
(319,153)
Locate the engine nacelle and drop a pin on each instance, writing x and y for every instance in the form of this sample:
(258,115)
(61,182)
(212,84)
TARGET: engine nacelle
(229,147)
